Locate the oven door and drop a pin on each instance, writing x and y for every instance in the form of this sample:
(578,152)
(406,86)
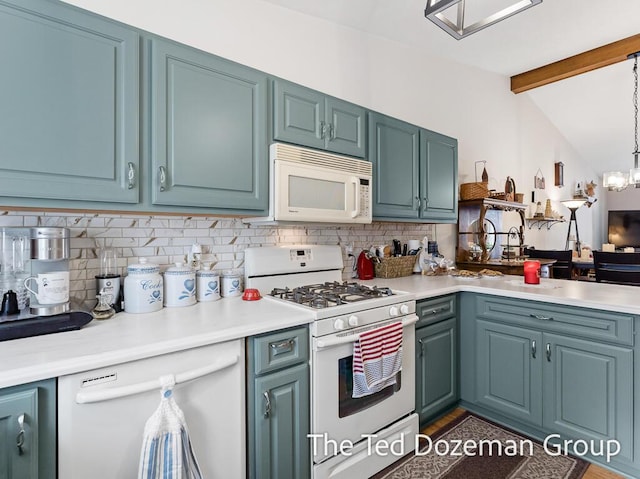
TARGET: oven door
(336,415)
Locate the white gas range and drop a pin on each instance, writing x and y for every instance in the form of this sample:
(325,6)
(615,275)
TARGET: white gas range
(310,277)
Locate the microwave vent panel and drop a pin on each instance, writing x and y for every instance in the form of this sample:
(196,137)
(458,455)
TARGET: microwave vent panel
(295,154)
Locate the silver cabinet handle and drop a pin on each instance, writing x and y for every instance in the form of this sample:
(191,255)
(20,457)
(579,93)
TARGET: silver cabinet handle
(541,318)
(425,200)
(323,129)
(533,349)
(163,178)
(549,352)
(131,176)
(421,347)
(282,347)
(20,437)
(332,132)
(418,205)
(267,406)
(436,311)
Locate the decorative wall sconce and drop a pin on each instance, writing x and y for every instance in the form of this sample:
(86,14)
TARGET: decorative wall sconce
(559,174)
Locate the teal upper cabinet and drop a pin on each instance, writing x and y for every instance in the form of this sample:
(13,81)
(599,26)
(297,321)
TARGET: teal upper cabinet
(208,131)
(310,118)
(438,177)
(69,96)
(415,172)
(394,153)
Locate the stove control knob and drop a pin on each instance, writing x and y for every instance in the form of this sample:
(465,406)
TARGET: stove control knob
(339,324)
(354,320)
(404,309)
(393,311)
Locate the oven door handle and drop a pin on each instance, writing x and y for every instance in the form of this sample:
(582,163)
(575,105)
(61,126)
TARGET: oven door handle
(335,341)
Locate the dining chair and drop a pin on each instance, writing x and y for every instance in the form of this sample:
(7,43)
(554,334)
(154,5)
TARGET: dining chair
(621,268)
(563,266)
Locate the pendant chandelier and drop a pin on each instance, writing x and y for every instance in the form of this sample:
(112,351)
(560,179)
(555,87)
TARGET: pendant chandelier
(436,12)
(619,180)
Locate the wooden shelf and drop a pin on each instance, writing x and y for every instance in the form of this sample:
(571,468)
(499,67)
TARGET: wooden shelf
(540,222)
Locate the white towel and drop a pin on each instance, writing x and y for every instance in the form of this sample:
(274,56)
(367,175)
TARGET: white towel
(166,449)
(377,358)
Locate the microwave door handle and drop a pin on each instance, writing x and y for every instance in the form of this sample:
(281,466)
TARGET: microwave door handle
(356,182)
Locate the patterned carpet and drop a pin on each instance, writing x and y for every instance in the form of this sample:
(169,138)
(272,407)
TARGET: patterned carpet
(492,453)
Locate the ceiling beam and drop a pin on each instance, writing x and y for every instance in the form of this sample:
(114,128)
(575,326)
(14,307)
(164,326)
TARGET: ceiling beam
(583,62)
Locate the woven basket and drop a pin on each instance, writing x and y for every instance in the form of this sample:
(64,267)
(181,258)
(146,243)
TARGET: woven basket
(395,267)
(474,191)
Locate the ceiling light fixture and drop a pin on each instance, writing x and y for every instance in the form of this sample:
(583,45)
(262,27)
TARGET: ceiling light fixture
(619,180)
(436,9)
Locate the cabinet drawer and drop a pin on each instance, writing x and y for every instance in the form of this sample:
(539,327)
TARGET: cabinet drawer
(436,309)
(281,349)
(573,321)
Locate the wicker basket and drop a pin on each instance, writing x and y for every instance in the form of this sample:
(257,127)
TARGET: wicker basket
(474,191)
(395,267)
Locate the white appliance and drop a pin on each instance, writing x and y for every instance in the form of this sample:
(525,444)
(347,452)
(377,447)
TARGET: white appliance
(102,413)
(316,186)
(310,277)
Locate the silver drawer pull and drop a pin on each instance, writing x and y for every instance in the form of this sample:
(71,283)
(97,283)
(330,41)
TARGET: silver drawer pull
(436,311)
(541,318)
(548,352)
(267,406)
(534,349)
(282,347)
(421,347)
(20,438)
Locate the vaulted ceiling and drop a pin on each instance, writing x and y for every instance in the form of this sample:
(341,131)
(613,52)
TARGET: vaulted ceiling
(593,110)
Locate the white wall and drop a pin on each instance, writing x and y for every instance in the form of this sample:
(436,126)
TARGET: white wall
(507,131)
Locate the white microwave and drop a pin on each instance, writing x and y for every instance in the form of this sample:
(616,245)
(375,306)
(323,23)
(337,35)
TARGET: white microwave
(316,186)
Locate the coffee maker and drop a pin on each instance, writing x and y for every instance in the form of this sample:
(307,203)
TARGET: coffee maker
(49,271)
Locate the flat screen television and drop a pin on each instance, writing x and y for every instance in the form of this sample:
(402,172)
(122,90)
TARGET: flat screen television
(624,228)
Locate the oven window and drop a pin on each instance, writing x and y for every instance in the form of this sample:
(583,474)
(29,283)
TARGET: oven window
(348,405)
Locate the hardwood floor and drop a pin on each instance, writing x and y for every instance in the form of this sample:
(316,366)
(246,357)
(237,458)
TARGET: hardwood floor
(593,472)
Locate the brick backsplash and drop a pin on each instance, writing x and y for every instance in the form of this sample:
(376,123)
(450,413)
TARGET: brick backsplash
(168,239)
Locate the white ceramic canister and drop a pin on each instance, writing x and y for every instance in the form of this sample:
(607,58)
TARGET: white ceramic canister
(207,285)
(231,284)
(143,288)
(179,286)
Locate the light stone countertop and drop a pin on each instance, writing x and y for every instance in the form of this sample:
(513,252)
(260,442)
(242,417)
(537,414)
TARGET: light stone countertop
(128,337)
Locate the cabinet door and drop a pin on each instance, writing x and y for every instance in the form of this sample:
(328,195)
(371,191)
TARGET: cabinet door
(69,96)
(436,368)
(438,177)
(299,115)
(346,128)
(588,391)
(35,405)
(509,371)
(393,150)
(280,448)
(208,131)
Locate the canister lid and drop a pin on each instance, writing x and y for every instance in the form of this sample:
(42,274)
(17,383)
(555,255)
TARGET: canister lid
(207,273)
(143,267)
(179,269)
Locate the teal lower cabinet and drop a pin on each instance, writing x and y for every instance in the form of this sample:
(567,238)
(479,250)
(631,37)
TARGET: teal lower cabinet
(278,405)
(553,371)
(28,431)
(436,357)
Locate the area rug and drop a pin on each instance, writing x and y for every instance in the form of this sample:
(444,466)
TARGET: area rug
(485,459)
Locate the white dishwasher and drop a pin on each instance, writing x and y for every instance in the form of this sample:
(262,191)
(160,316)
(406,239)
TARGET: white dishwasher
(102,413)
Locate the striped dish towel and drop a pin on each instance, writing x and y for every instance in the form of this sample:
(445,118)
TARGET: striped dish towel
(377,358)
(166,449)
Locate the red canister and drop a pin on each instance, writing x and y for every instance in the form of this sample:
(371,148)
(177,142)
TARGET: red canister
(532,272)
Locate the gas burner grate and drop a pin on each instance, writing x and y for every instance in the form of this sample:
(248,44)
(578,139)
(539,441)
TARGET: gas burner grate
(324,295)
